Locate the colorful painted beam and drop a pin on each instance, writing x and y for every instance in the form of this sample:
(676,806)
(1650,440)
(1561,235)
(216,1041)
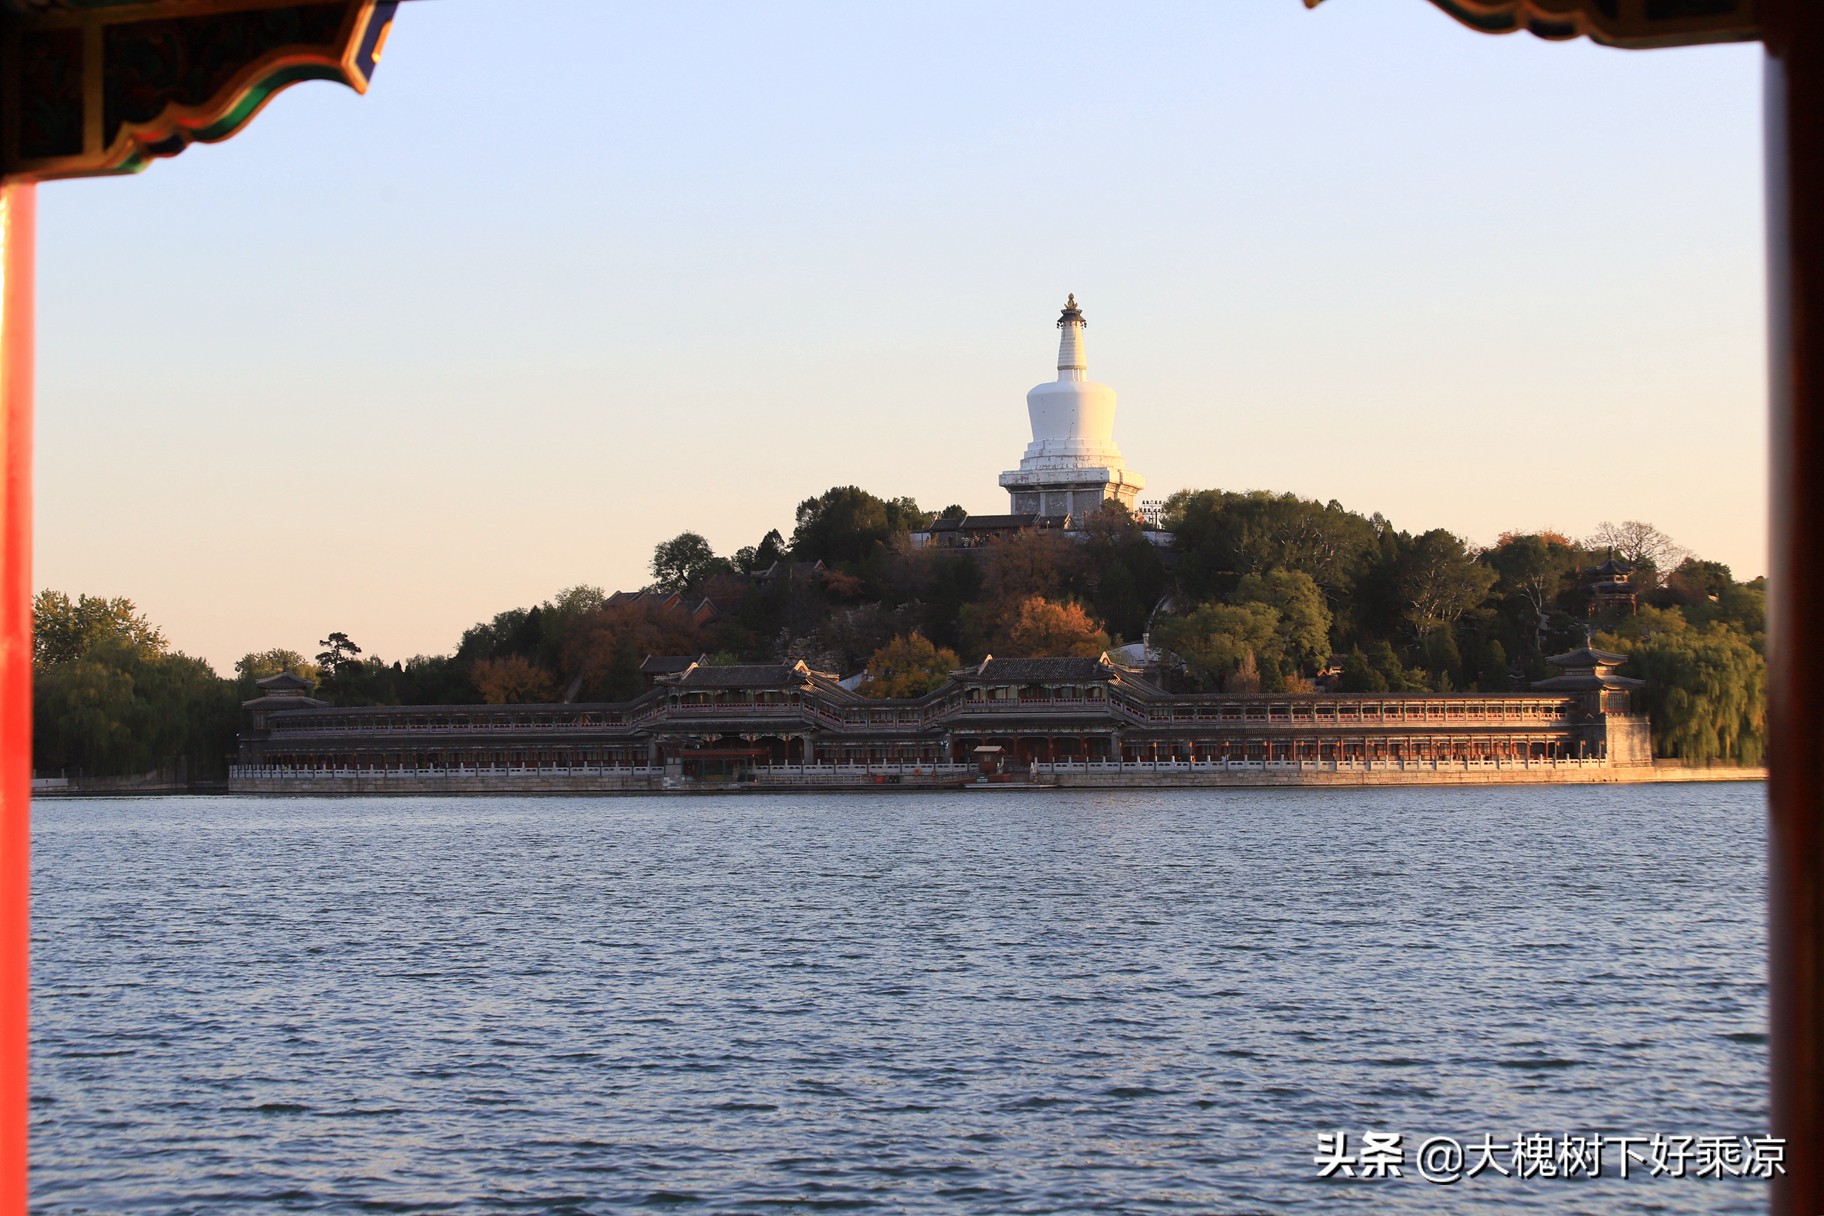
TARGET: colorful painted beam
(94,87)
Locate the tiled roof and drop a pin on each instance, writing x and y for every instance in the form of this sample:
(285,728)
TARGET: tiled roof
(669,664)
(750,675)
(1586,679)
(284,702)
(1040,669)
(795,569)
(1584,656)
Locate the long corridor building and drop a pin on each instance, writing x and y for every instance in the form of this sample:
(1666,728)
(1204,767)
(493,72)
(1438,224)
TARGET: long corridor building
(729,721)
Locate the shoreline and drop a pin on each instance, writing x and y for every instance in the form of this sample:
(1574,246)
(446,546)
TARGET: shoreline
(908,782)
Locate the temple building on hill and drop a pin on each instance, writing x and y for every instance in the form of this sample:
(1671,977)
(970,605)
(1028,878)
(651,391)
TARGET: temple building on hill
(1072,465)
(1610,587)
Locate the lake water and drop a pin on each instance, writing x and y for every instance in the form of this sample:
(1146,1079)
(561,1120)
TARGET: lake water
(978,1002)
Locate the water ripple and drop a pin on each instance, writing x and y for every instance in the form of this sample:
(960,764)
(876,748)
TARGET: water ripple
(1088,1002)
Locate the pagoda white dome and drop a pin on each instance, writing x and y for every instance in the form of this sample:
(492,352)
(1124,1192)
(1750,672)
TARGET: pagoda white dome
(1073,421)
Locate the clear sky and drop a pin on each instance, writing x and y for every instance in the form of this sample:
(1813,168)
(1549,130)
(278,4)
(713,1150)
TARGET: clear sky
(576,276)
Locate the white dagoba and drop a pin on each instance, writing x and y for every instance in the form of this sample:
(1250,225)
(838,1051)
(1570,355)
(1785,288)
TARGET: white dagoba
(1072,465)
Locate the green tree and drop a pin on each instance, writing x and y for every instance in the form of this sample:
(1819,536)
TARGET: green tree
(1117,569)
(909,666)
(1694,581)
(516,631)
(573,602)
(683,563)
(1743,606)
(259,664)
(1438,582)
(1219,642)
(1220,533)
(436,679)
(1118,601)
(771,549)
(1377,669)
(338,656)
(1359,675)
(84,714)
(846,525)
(1304,618)
(122,709)
(1533,570)
(64,629)
(256,666)
(1706,689)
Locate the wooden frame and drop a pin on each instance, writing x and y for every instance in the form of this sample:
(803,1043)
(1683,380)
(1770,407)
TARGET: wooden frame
(1793,31)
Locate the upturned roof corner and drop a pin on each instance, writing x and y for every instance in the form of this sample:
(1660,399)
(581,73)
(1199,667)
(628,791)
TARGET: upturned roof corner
(1627,24)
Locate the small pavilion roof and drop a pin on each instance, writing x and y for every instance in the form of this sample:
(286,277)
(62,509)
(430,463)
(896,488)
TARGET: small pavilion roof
(1586,656)
(285,681)
(1585,670)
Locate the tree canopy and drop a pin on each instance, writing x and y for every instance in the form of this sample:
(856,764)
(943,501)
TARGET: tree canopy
(846,525)
(684,563)
(1042,628)
(110,699)
(908,666)
(64,629)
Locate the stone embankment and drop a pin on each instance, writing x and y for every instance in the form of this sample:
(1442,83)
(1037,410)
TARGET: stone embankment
(141,785)
(908,779)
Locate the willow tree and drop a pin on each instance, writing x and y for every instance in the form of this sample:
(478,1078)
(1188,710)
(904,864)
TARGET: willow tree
(1706,690)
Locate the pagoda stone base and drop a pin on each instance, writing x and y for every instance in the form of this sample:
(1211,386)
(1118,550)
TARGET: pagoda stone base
(1077,499)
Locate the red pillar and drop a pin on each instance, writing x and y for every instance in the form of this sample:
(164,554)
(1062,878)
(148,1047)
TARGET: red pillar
(18,238)
(1795,871)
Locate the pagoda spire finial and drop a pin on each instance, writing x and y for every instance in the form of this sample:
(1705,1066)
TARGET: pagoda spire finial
(1073,364)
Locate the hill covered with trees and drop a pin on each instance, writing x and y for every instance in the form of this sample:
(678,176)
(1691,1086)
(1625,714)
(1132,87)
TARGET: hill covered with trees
(1258,592)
